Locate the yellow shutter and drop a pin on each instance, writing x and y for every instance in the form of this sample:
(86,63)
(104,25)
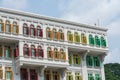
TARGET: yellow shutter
(78,38)
(11,75)
(11,28)
(79,61)
(17,29)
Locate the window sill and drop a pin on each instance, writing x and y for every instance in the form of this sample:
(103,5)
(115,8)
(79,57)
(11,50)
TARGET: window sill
(8,32)
(25,35)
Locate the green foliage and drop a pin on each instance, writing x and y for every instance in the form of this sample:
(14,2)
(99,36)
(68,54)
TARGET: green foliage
(112,71)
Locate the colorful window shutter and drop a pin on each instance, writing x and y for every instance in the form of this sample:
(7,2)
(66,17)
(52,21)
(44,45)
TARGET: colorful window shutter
(29,51)
(0,51)
(41,33)
(51,34)
(42,53)
(17,29)
(35,31)
(78,38)
(58,35)
(70,59)
(62,36)
(3,27)
(11,28)
(64,56)
(79,61)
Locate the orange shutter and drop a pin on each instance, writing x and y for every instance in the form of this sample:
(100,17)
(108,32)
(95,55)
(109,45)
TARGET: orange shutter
(63,36)
(58,35)
(3,27)
(64,56)
(51,34)
(59,55)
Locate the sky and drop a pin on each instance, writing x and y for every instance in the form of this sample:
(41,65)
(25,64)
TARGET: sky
(107,12)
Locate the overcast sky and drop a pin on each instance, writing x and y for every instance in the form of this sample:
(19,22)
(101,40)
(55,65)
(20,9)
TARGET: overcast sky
(83,11)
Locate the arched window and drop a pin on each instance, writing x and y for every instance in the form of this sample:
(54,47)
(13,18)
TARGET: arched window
(62,54)
(32,30)
(49,53)
(7,27)
(70,36)
(54,34)
(40,52)
(39,32)
(69,76)
(1,51)
(83,39)
(90,76)
(61,35)
(78,76)
(26,50)
(56,53)
(76,59)
(15,28)
(49,34)
(76,37)
(91,40)
(96,61)
(8,73)
(33,51)
(103,42)
(97,41)
(89,61)
(23,74)
(8,52)
(1,26)
(98,77)
(25,29)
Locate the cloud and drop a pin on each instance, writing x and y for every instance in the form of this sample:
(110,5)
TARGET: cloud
(89,11)
(15,4)
(113,56)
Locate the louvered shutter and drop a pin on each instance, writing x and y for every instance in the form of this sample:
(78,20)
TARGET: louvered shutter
(58,35)
(64,56)
(42,53)
(0,51)
(3,27)
(29,52)
(51,34)
(41,32)
(35,32)
(28,31)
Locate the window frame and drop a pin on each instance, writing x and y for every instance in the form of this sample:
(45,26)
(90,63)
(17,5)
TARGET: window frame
(7,23)
(42,52)
(15,25)
(25,26)
(28,52)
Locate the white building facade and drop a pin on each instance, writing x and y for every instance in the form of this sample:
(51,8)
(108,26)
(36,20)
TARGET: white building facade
(34,47)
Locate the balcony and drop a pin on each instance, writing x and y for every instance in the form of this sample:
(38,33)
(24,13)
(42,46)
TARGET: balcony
(39,61)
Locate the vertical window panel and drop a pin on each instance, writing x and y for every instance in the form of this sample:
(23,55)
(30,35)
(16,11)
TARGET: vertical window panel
(7,26)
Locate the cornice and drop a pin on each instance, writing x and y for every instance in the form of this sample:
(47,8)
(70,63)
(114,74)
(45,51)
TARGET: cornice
(37,16)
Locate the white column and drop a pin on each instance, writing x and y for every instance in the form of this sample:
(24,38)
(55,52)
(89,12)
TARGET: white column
(84,67)
(66,51)
(21,44)
(65,34)
(45,51)
(102,67)
(44,30)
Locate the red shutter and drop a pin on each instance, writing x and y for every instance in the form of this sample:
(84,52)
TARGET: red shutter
(36,54)
(26,75)
(29,51)
(36,76)
(41,33)
(16,52)
(35,30)
(42,53)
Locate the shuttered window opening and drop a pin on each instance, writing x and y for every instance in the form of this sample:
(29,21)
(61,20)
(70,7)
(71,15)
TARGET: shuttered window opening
(8,27)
